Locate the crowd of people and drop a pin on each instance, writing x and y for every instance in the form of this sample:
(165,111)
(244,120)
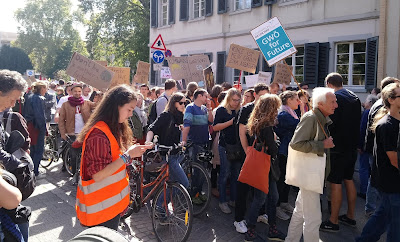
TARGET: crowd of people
(330,126)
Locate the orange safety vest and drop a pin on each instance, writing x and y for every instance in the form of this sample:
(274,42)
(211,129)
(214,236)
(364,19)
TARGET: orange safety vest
(98,202)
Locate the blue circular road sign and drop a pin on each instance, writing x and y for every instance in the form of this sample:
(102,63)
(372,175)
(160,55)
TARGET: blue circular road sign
(158,56)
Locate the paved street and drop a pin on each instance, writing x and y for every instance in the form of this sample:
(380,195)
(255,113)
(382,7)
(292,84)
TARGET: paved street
(53,217)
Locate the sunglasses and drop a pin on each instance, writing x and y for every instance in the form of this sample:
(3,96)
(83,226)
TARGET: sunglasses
(181,103)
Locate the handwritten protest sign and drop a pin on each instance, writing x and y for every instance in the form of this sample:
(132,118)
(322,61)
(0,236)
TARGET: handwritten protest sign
(122,75)
(89,72)
(282,74)
(196,65)
(264,77)
(251,80)
(208,76)
(242,58)
(273,41)
(142,73)
(103,63)
(189,68)
(179,67)
(165,72)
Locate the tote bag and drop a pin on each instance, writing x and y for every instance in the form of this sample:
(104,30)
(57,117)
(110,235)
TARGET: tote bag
(305,170)
(255,169)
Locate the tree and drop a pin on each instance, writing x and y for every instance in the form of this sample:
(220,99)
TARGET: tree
(14,59)
(119,27)
(48,35)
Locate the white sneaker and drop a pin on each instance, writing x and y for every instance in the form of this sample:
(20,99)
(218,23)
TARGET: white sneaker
(263,218)
(287,207)
(225,208)
(240,226)
(281,214)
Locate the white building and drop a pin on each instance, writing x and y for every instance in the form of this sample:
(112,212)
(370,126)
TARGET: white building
(357,38)
(7,37)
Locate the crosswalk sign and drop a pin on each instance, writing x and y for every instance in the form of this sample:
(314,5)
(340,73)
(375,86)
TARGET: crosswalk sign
(159,44)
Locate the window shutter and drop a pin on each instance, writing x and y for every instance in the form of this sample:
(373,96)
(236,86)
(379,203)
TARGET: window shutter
(270,2)
(154,12)
(184,10)
(311,52)
(323,63)
(209,7)
(171,13)
(266,68)
(256,3)
(221,59)
(371,62)
(210,56)
(152,73)
(222,6)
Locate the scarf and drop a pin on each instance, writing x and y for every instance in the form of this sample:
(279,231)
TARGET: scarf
(287,109)
(75,101)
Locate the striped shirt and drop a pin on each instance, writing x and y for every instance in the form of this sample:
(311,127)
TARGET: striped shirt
(197,119)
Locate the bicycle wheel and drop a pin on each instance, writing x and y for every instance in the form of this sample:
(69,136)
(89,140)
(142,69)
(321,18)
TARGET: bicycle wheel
(172,217)
(134,204)
(49,154)
(199,187)
(68,160)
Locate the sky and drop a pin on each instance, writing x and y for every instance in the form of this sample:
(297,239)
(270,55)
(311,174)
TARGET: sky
(9,24)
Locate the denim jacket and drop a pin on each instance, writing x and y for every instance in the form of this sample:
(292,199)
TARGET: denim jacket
(34,111)
(285,130)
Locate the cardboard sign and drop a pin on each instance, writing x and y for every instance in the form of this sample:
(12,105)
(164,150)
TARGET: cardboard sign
(208,76)
(179,67)
(282,74)
(273,41)
(122,75)
(251,80)
(242,58)
(142,72)
(89,72)
(165,72)
(103,63)
(196,65)
(264,77)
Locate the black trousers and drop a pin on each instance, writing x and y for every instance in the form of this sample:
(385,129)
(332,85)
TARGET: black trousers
(241,201)
(283,188)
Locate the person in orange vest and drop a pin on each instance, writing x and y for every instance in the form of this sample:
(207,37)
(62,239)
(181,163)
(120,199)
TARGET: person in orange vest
(103,188)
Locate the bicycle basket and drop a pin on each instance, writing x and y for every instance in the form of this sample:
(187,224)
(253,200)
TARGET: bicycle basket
(153,161)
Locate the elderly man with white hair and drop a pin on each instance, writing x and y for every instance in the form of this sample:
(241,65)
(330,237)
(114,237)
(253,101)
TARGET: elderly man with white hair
(310,143)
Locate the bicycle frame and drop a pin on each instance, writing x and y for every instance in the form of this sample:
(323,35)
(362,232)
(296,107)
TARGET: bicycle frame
(162,177)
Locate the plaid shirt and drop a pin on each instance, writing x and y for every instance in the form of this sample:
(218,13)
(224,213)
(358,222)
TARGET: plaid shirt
(97,154)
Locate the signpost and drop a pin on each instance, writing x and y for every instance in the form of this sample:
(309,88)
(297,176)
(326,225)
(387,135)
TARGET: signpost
(159,44)
(30,72)
(273,41)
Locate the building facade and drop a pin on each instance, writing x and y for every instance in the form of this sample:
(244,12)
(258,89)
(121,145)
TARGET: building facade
(7,37)
(357,38)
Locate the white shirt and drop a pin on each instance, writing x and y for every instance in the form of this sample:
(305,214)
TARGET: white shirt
(62,101)
(78,120)
(86,97)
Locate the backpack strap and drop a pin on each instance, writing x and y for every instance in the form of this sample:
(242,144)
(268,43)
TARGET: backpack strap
(9,119)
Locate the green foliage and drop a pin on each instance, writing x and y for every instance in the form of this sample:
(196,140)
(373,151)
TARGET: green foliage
(14,59)
(60,74)
(48,35)
(119,27)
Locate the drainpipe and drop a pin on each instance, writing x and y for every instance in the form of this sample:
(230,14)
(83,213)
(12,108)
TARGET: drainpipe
(382,42)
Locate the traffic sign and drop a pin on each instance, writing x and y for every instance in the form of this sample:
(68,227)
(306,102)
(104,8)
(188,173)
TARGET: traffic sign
(158,56)
(30,72)
(273,41)
(159,44)
(168,53)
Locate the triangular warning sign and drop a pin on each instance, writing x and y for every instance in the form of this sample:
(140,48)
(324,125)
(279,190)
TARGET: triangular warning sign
(159,44)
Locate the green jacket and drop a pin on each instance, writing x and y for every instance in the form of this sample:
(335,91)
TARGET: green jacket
(136,126)
(307,130)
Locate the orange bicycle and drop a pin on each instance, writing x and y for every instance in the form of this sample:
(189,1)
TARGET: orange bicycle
(171,206)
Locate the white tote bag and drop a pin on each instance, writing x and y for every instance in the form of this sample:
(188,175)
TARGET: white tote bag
(305,170)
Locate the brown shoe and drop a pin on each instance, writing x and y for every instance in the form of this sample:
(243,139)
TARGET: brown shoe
(215,192)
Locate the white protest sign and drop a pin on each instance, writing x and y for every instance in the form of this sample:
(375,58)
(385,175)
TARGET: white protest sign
(273,41)
(165,73)
(251,80)
(264,77)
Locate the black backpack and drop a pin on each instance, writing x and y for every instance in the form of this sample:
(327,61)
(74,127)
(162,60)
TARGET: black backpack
(153,111)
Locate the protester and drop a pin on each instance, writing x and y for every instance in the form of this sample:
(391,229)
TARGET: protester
(274,88)
(386,126)
(226,86)
(35,116)
(304,86)
(50,107)
(261,123)
(304,105)
(86,91)
(191,87)
(170,88)
(310,138)
(240,204)
(223,122)
(106,151)
(168,127)
(364,170)
(62,100)
(145,91)
(248,97)
(59,94)
(52,88)
(215,91)
(287,122)
(96,96)
(138,121)
(345,131)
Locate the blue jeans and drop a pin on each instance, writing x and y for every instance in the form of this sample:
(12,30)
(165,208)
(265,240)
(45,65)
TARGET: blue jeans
(176,173)
(259,198)
(386,217)
(372,193)
(24,228)
(227,168)
(197,181)
(37,152)
(364,171)
(272,201)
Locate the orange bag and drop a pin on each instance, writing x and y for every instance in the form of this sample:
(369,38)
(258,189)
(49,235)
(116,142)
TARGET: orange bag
(255,169)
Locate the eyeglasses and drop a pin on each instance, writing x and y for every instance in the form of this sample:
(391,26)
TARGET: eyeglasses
(181,103)
(236,100)
(395,97)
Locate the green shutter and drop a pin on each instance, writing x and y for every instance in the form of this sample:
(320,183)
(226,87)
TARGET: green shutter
(311,53)
(221,59)
(371,62)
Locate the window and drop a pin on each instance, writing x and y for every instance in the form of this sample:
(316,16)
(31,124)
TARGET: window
(241,4)
(297,62)
(199,7)
(350,62)
(164,12)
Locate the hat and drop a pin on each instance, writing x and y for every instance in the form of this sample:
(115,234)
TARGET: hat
(76,84)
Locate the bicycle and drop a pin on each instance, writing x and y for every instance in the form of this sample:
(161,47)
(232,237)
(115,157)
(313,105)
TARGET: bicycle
(50,153)
(171,206)
(199,179)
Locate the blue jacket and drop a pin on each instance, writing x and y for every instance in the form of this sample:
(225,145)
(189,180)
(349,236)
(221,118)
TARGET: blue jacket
(285,130)
(34,111)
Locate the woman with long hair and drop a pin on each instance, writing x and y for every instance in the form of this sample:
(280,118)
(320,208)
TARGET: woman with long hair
(168,127)
(223,122)
(248,97)
(261,125)
(103,190)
